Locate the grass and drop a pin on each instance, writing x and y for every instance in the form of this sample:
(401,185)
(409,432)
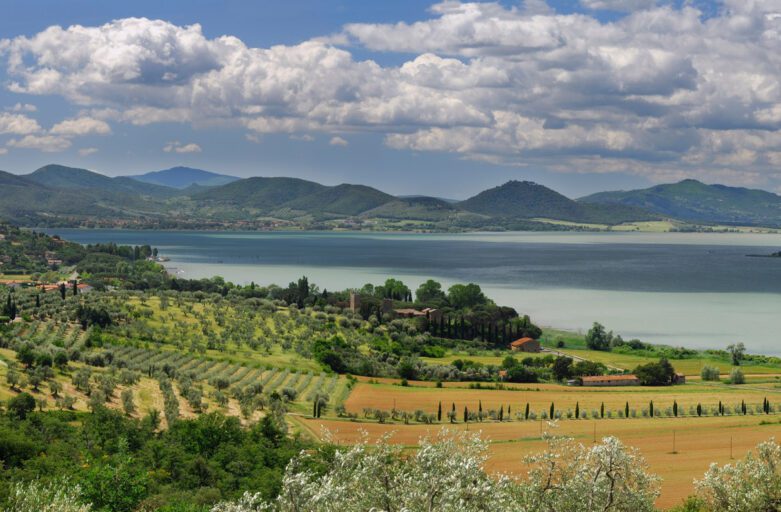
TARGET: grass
(14,277)
(575,345)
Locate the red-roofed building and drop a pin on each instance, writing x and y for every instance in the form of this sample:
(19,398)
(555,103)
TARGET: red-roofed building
(525,345)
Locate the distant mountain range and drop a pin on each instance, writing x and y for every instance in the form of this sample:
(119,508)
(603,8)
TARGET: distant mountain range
(182,197)
(184,177)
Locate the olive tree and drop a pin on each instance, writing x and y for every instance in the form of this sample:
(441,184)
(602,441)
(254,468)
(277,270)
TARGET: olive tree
(35,496)
(745,486)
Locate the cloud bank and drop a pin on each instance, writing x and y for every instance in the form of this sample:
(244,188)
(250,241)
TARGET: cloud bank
(663,91)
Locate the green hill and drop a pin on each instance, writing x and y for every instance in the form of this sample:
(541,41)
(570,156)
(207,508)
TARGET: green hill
(341,199)
(23,201)
(528,200)
(265,194)
(72,178)
(414,208)
(694,201)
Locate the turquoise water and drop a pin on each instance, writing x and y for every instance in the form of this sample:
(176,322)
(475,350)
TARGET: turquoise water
(694,290)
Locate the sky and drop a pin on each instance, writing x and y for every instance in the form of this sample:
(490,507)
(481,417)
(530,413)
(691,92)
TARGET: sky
(411,97)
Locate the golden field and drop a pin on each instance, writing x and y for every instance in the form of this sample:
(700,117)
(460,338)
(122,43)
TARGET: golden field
(679,450)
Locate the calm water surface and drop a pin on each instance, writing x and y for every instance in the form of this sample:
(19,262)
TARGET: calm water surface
(695,290)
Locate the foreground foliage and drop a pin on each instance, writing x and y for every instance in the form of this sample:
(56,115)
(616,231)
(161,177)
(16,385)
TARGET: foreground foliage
(122,465)
(447,473)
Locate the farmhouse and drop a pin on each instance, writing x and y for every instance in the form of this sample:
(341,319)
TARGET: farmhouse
(525,345)
(611,380)
(432,314)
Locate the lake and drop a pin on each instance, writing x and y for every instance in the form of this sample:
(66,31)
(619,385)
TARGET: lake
(697,290)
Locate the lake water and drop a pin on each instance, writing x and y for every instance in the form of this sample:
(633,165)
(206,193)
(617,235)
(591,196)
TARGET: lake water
(694,290)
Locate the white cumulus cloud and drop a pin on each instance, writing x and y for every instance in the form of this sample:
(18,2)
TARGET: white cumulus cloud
(338,141)
(659,91)
(45,143)
(81,126)
(18,124)
(178,147)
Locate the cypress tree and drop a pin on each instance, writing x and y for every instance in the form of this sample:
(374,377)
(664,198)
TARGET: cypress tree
(509,413)
(675,408)
(743,407)
(501,413)
(480,410)
(577,410)
(552,410)
(602,410)
(466,415)
(314,409)
(439,412)
(721,409)
(651,408)
(699,410)
(62,290)
(37,300)
(526,415)
(626,410)
(75,288)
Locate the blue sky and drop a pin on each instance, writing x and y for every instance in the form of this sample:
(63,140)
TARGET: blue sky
(408,96)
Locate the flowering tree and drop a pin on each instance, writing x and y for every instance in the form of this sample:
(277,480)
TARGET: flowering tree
(752,484)
(447,474)
(36,496)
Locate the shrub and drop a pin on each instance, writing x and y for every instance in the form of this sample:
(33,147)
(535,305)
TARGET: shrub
(709,373)
(736,376)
